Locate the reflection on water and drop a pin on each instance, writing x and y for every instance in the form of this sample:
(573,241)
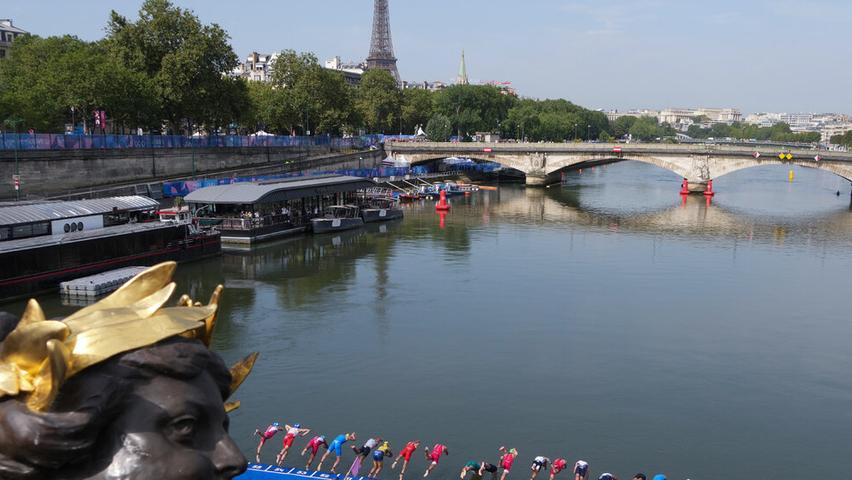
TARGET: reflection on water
(603,319)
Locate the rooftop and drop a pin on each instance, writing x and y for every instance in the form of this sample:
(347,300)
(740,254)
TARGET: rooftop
(247,193)
(31,212)
(7,26)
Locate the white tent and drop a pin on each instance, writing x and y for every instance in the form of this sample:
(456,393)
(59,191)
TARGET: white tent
(261,133)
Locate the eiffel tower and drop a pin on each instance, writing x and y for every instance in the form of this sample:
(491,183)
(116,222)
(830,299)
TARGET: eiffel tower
(381,46)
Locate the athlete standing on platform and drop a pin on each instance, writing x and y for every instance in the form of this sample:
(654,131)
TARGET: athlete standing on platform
(379,454)
(336,447)
(539,463)
(557,466)
(292,432)
(434,457)
(314,445)
(488,467)
(405,455)
(270,432)
(581,470)
(471,466)
(507,460)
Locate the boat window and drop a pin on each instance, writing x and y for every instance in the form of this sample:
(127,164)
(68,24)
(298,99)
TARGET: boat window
(41,228)
(22,231)
(5,233)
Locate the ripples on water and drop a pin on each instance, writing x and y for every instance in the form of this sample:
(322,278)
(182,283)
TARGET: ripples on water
(601,320)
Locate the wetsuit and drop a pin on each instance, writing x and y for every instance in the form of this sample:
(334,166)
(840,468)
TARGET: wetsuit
(558,465)
(365,450)
(489,467)
(437,451)
(506,461)
(474,467)
(382,452)
(408,451)
(291,435)
(269,433)
(581,468)
(316,443)
(337,444)
(540,463)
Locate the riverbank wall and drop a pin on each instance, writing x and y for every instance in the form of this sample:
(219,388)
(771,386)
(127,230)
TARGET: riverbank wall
(80,173)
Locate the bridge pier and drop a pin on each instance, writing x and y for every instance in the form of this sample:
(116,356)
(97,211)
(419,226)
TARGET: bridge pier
(697,187)
(536,180)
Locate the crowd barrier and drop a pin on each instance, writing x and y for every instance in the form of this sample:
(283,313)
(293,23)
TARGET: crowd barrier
(51,141)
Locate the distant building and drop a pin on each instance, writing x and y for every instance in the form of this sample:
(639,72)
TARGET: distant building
(683,117)
(8,33)
(351,72)
(425,85)
(614,115)
(257,67)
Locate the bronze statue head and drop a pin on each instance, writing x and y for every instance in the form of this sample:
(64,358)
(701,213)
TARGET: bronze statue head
(99,400)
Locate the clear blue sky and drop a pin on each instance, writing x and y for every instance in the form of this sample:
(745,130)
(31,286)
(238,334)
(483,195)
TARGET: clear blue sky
(758,55)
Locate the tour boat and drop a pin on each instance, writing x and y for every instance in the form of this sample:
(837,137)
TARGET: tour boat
(337,218)
(45,243)
(381,209)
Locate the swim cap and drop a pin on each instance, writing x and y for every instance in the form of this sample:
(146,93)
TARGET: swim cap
(274,424)
(298,425)
(515,452)
(659,476)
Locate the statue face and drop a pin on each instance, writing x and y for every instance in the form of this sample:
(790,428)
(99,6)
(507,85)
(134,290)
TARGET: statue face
(172,429)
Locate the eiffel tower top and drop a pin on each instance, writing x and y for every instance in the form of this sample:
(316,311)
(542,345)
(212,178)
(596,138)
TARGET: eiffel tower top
(381,45)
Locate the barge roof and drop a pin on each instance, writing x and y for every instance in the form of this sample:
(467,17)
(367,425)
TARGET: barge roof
(248,193)
(52,240)
(45,211)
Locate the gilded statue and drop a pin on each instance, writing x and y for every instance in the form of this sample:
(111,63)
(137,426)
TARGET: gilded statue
(125,388)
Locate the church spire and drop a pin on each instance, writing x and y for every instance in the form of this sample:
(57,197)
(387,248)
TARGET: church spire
(462,78)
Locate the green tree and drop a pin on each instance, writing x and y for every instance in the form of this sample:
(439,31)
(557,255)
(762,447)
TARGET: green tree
(186,61)
(439,128)
(621,126)
(379,102)
(645,128)
(46,77)
(416,108)
(474,108)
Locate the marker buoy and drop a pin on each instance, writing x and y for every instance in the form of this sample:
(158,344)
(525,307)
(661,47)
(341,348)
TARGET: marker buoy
(684,187)
(709,192)
(442,205)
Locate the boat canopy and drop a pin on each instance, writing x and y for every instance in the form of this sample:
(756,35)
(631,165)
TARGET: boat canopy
(249,193)
(45,211)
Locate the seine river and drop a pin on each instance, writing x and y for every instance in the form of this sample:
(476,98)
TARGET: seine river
(600,320)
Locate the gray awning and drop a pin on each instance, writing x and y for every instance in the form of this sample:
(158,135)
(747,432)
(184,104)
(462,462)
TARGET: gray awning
(248,193)
(32,212)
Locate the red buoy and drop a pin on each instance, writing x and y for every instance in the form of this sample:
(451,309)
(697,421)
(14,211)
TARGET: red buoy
(442,205)
(709,192)
(684,187)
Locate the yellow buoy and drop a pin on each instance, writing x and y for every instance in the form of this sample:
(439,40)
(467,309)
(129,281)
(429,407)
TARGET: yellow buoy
(791,175)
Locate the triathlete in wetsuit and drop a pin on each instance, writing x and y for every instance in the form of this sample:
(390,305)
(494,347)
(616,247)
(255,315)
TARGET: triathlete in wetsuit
(270,432)
(488,467)
(314,445)
(405,455)
(379,454)
(507,460)
(292,432)
(336,447)
(434,457)
(581,470)
(539,463)
(471,466)
(558,465)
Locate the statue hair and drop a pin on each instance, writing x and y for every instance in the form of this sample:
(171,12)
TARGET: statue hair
(52,444)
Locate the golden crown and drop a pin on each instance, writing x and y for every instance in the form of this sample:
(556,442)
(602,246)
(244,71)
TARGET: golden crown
(39,355)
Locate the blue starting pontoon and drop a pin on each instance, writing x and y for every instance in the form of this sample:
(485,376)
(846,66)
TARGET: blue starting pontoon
(259,471)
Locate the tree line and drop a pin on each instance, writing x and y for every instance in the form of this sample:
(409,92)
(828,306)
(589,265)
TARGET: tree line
(167,72)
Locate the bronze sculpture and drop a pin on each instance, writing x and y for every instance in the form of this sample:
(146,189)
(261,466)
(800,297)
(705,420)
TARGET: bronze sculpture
(122,389)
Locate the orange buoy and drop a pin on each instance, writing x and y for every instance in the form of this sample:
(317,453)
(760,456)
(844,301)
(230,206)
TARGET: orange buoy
(442,205)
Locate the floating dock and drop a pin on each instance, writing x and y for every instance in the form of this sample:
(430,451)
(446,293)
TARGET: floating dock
(94,286)
(260,471)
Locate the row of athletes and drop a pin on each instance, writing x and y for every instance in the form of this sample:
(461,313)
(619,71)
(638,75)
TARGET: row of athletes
(381,449)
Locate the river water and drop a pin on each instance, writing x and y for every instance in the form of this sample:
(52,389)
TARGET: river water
(601,320)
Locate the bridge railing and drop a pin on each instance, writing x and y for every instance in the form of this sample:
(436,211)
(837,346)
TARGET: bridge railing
(51,141)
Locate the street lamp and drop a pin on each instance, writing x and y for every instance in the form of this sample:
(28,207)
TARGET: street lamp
(14,122)
(589,133)
(575,132)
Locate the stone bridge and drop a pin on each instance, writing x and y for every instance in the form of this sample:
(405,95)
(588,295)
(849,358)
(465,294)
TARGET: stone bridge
(542,163)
